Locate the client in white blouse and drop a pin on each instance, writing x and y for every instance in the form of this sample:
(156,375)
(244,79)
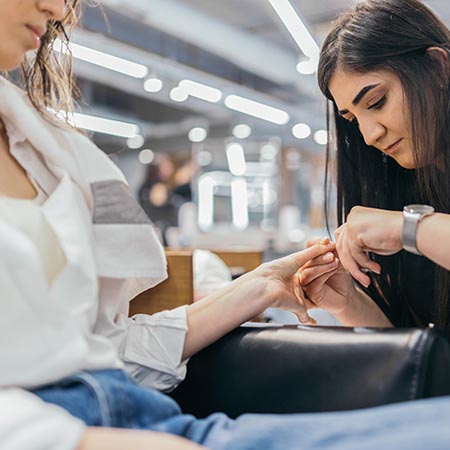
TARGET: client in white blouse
(74,249)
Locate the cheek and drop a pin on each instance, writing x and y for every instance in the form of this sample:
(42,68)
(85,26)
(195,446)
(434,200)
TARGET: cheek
(398,120)
(12,50)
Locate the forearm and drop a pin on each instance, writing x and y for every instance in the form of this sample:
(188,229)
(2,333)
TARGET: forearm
(273,284)
(119,439)
(218,313)
(363,311)
(433,238)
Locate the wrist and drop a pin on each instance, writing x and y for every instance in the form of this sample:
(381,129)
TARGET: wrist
(347,311)
(422,231)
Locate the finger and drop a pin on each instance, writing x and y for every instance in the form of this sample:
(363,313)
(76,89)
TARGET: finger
(320,260)
(311,274)
(289,265)
(317,241)
(363,259)
(339,231)
(297,260)
(313,241)
(305,319)
(363,264)
(313,289)
(351,265)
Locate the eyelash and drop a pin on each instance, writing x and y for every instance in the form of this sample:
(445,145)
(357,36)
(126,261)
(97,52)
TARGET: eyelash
(377,106)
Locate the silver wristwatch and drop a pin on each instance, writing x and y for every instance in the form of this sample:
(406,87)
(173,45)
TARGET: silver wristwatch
(412,215)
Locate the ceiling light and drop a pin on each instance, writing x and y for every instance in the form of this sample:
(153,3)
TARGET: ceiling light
(135,141)
(205,202)
(269,151)
(178,95)
(307,67)
(204,158)
(301,130)
(201,91)
(146,156)
(236,159)
(153,85)
(107,126)
(197,134)
(239,203)
(242,131)
(321,137)
(256,109)
(296,28)
(105,60)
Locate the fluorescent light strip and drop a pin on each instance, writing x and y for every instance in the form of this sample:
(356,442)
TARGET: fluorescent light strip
(296,27)
(236,159)
(205,202)
(201,91)
(105,60)
(256,109)
(107,126)
(239,203)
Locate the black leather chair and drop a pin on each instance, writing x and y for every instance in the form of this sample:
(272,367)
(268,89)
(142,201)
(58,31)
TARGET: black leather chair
(273,369)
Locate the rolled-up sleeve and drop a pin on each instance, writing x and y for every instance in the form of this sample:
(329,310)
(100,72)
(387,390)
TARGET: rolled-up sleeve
(153,348)
(28,423)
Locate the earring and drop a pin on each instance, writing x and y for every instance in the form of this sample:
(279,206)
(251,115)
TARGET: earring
(384,158)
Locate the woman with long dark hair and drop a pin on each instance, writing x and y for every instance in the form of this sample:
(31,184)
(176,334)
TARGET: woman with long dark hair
(385,69)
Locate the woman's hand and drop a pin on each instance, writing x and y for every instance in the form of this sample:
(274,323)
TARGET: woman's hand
(275,284)
(368,230)
(281,280)
(326,283)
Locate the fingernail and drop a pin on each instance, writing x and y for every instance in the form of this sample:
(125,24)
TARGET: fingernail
(328,257)
(376,271)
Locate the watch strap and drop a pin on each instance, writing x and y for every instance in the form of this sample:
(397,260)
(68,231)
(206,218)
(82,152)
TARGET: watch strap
(409,232)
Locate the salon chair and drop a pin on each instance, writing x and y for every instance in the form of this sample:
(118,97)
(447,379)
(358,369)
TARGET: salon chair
(265,368)
(288,369)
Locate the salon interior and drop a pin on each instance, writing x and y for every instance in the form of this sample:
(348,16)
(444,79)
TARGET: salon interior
(212,111)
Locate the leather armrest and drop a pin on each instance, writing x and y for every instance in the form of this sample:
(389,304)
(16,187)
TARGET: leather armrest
(309,369)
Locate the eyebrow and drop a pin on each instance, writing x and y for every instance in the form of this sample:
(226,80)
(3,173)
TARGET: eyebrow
(359,96)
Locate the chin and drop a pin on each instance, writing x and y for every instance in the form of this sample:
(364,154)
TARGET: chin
(11,62)
(406,163)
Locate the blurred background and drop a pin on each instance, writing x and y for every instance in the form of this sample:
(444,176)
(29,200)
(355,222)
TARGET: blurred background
(212,110)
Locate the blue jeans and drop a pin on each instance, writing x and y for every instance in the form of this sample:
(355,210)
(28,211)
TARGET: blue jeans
(110,398)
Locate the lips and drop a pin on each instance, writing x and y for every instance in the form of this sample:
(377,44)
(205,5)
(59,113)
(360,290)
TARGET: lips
(391,148)
(38,30)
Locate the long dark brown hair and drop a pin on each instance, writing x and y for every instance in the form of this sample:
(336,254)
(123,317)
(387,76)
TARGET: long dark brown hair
(394,35)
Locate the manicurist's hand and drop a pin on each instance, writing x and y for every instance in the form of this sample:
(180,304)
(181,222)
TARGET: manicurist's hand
(326,283)
(368,230)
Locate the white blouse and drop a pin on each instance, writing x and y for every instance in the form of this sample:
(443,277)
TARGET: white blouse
(26,215)
(59,316)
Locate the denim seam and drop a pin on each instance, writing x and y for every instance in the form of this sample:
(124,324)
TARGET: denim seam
(105,410)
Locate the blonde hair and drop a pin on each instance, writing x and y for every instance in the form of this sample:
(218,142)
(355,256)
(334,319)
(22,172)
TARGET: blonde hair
(48,77)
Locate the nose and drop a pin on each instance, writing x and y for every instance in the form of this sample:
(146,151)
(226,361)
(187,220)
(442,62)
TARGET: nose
(371,130)
(53,9)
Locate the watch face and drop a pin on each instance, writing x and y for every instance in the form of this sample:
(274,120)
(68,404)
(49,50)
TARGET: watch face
(418,209)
